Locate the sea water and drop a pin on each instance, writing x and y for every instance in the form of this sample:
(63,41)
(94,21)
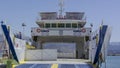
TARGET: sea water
(112,62)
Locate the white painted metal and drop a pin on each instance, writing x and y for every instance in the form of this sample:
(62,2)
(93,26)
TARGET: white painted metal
(93,45)
(44,54)
(33,55)
(92,49)
(67,55)
(48,54)
(68,32)
(106,42)
(61,21)
(56,32)
(19,48)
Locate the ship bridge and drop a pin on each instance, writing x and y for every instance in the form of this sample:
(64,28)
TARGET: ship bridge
(51,24)
(75,19)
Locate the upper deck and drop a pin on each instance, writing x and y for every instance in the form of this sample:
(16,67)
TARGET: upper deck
(69,20)
(52,24)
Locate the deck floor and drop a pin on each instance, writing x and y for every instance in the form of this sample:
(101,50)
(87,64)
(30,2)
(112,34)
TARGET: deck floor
(60,63)
(54,66)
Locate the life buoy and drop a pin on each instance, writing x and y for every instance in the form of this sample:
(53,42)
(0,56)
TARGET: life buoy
(83,30)
(38,30)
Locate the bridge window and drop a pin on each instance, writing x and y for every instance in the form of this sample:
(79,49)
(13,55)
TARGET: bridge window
(68,25)
(54,25)
(74,25)
(61,25)
(47,25)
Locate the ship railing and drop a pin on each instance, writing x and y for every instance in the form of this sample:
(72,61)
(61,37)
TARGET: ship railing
(18,34)
(61,18)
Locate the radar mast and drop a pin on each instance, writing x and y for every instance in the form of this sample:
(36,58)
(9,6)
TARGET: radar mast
(61,5)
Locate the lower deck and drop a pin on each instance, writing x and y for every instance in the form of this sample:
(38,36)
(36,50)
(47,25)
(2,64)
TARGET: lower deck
(81,43)
(60,63)
(54,66)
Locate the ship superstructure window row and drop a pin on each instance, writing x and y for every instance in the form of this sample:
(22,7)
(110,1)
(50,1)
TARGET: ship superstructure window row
(61,25)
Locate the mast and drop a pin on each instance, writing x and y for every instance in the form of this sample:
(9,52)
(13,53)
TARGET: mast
(61,5)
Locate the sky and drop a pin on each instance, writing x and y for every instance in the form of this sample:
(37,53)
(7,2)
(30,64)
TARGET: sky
(16,12)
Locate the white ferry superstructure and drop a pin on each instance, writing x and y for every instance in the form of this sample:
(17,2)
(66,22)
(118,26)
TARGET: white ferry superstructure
(68,29)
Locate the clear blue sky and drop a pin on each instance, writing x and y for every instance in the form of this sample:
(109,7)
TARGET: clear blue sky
(15,12)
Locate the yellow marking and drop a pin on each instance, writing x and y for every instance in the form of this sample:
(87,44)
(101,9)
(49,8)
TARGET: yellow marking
(54,66)
(94,65)
(21,62)
(13,66)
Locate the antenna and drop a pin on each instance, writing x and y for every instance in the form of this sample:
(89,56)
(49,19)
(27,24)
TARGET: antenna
(61,5)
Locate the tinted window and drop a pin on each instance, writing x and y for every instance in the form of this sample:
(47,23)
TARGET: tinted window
(68,25)
(54,25)
(74,25)
(47,25)
(61,25)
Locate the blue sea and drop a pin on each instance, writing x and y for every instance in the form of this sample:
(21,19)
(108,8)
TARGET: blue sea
(112,62)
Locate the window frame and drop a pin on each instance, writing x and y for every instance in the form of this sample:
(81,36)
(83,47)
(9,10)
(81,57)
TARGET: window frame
(74,25)
(68,25)
(46,25)
(54,25)
(61,25)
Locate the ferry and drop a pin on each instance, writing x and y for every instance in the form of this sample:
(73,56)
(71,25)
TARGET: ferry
(58,31)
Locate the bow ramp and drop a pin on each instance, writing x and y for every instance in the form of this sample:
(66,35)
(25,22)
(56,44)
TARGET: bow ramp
(104,38)
(9,41)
